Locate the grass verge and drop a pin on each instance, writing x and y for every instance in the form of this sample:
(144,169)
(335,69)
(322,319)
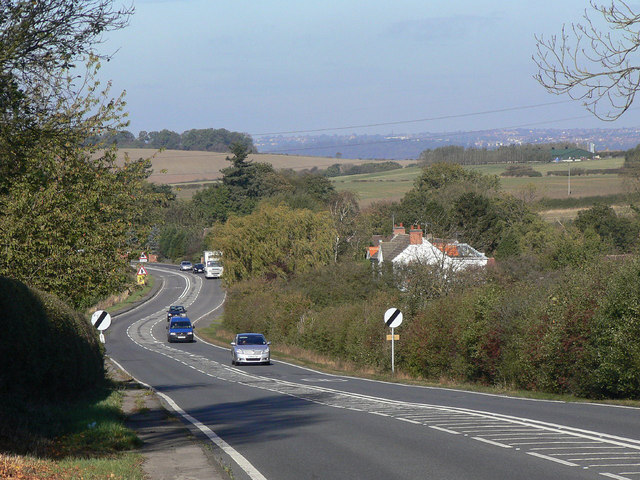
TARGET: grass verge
(85,438)
(135,296)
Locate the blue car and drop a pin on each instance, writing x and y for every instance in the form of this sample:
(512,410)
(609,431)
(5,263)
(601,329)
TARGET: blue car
(180,329)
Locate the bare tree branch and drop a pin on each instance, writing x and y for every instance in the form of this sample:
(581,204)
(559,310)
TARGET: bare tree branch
(599,68)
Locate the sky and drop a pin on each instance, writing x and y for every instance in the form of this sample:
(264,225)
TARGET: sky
(341,66)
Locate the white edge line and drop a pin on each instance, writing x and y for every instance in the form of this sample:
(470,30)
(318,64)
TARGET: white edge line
(242,462)
(553,459)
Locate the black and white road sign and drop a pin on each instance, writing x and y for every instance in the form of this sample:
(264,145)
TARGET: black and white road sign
(101,320)
(393,318)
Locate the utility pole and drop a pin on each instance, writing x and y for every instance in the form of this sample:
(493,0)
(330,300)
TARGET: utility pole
(569,183)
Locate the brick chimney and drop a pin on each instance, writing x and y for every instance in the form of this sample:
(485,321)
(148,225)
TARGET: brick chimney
(398,230)
(415,235)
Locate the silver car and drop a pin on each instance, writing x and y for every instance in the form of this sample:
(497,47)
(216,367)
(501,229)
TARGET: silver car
(250,348)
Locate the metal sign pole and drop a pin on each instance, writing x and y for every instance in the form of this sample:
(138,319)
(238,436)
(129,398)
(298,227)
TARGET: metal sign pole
(392,353)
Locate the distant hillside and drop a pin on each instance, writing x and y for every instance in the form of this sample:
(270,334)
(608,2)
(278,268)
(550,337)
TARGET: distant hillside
(409,146)
(179,166)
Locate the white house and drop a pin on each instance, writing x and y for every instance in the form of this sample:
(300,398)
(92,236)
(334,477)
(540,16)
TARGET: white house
(405,248)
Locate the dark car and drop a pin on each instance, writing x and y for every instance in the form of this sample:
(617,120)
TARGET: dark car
(180,329)
(176,310)
(198,268)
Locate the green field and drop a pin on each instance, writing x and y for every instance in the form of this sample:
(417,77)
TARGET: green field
(392,185)
(188,172)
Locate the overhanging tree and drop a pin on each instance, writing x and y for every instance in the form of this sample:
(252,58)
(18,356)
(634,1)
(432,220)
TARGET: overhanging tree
(593,65)
(68,213)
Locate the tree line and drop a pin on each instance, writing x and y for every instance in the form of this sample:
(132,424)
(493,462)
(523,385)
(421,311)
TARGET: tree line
(527,153)
(206,139)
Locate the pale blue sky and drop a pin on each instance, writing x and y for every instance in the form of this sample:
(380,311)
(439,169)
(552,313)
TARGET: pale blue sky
(277,66)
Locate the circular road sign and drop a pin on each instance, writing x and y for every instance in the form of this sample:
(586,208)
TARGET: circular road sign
(101,320)
(393,318)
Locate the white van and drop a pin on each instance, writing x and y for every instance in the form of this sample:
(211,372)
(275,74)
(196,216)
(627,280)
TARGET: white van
(213,269)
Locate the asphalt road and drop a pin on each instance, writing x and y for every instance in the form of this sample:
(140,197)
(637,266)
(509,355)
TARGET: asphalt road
(285,422)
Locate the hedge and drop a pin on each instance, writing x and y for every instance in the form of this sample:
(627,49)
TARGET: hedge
(50,350)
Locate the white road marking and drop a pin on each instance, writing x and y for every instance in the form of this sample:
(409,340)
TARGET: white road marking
(611,475)
(444,430)
(409,421)
(553,459)
(491,442)
(321,380)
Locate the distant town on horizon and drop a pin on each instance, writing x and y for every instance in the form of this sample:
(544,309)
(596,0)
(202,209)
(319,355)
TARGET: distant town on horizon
(409,146)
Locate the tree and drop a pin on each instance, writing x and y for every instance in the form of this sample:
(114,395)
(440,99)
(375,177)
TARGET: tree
(68,212)
(214,140)
(40,43)
(69,233)
(165,139)
(592,65)
(431,202)
(451,180)
(344,210)
(620,232)
(213,204)
(273,241)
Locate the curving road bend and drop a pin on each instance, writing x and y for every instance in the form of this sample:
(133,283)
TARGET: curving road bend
(286,422)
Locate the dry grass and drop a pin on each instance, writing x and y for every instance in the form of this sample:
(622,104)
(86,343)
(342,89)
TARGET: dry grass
(181,166)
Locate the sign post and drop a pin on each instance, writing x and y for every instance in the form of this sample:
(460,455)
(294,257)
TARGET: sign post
(142,273)
(392,319)
(101,320)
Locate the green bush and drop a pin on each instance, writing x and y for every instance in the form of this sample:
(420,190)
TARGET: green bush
(572,331)
(615,345)
(51,350)
(341,315)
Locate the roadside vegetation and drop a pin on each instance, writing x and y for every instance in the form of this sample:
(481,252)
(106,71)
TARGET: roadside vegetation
(61,417)
(70,217)
(550,316)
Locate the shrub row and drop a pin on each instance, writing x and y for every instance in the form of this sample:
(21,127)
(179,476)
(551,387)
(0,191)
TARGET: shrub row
(51,350)
(573,333)
(334,312)
(520,171)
